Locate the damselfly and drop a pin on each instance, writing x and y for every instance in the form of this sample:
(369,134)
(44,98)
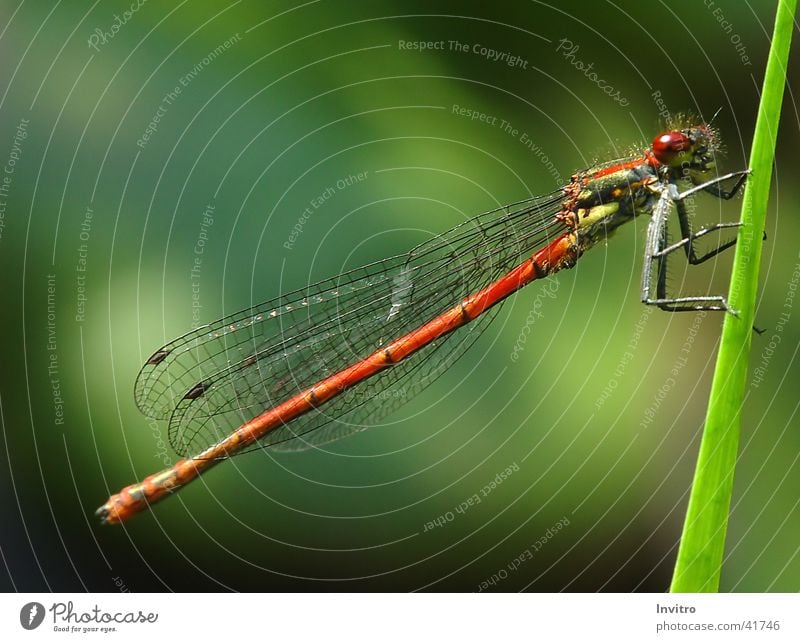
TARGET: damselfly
(314,365)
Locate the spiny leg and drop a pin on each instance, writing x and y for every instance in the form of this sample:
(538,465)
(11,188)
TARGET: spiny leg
(688,237)
(656,249)
(654,241)
(714,188)
(685,303)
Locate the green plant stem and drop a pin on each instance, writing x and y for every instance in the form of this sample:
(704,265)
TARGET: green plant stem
(702,545)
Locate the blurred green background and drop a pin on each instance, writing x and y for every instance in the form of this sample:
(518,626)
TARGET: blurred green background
(98,236)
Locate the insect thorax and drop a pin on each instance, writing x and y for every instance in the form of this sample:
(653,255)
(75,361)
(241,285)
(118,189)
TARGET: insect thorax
(602,198)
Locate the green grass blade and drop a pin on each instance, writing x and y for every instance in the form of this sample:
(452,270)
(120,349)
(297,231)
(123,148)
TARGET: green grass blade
(702,545)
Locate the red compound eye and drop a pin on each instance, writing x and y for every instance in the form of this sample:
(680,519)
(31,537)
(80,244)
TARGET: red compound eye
(667,146)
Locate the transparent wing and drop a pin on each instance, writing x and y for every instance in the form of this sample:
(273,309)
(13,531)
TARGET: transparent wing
(211,380)
(364,405)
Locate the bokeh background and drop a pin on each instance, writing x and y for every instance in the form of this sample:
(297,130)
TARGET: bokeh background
(98,237)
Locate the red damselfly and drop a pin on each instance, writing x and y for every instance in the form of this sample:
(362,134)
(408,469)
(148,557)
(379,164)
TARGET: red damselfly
(313,366)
